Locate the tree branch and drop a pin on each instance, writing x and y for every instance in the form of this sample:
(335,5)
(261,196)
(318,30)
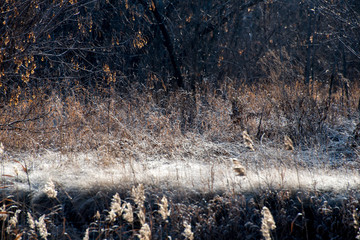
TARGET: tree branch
(11,124)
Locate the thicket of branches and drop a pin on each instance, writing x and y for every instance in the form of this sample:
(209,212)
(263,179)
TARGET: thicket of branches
(163,44)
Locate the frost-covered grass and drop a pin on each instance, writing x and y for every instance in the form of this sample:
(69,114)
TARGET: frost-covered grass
(111,168)
(207,169)
(74,192)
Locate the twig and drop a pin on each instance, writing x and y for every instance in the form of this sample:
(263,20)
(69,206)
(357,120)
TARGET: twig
(10,125)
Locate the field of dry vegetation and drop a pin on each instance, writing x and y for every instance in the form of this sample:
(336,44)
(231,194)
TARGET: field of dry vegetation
(268,161)
(165,119)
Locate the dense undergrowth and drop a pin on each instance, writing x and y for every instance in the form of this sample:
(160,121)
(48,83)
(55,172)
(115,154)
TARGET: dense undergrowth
(155,123)
(269,111)
(167,213)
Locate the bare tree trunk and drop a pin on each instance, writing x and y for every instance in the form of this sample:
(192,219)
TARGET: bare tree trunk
(167,43)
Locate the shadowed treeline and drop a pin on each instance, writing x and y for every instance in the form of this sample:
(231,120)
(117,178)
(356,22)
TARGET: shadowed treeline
(98,45)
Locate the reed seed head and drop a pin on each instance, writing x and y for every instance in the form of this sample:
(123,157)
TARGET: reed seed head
(248,141)
(238,168)
(145,232)
(112,216)
(97,215)
(13,220)
(188,234)
(164,208)
(141,216)
(138,194)
(42,227)
(115,208)
(49,189)
(128,212)
(31,221)
(267,223)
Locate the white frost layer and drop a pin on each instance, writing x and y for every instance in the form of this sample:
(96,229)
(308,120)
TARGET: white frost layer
(84,171)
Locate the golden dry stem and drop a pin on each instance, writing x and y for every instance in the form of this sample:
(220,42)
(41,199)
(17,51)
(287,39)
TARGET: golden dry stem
(141,216)
(355,217)
(238,168)
(2,149)
(356,223)
(288,143)
(3,213)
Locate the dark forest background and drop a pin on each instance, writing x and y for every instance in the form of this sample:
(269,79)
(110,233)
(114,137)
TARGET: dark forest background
(168,44)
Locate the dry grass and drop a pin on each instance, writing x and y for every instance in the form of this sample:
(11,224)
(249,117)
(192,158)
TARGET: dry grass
(181,166)
(84,122)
